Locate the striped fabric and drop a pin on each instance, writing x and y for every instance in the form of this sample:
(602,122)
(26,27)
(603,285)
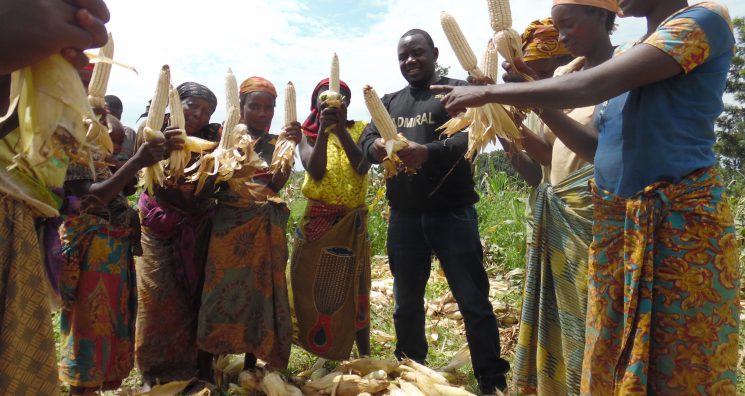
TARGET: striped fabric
(552,328)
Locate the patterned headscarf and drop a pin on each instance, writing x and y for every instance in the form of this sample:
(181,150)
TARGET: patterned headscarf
(196,90)
(610,5)
(312,123)
(257,84)
(541,41)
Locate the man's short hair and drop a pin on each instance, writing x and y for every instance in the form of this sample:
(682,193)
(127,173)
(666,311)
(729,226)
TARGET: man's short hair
(427,37)
(113,102)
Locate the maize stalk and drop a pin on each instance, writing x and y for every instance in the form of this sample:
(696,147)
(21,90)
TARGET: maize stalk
(54,117)
(392,140)
(500,14)
(460,46)
(284,153)
(100,76)
(154,175)
(235,150)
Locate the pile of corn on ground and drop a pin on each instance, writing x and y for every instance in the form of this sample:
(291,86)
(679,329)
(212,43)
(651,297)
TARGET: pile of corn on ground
(501,214)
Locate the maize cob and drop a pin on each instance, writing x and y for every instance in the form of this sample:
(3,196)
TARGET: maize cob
(393,141)
(249,381)
(100,76)
(334,82)
(447,390)
(290,103)
(235,150)
(423,382)
(365,366)
(333,97)
(54,115)
(410,389)
(460,46)
(284,153)
(153,175)
(192,144)
(509,44)
(273,385)
(500,14)
(485,124)
(432,374)
(490,61)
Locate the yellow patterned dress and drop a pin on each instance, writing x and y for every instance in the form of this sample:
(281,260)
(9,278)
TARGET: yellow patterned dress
(330,267)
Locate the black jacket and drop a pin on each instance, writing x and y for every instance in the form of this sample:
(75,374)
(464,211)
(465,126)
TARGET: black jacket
(445,180)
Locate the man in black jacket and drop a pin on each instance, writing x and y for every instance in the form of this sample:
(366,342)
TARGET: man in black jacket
(432,211)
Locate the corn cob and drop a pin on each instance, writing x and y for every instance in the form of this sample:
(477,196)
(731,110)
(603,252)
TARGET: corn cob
(490,61)
(100,76)
(460,46)
(273,385)
(410,389)
(192,144)
(500,14)
(333,97)
(53,113)
(509,44)
(393,141)
(235,150)
(153,175)
(284,153)
(422,369)
(485,124)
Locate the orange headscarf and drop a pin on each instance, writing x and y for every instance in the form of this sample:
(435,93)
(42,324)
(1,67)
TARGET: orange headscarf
(610,5)
(257,84)
(541,41)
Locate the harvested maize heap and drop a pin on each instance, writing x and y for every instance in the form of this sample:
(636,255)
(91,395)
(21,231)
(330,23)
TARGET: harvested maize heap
(98,136)
(460,46)
(153,175)
(486,122)
(234,152)
(54,116)
(192,144)
(284,154)
(508,40)
(392,140)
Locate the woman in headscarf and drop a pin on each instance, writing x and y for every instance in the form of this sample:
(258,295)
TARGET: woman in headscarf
(176,226)
(551,340)
(97,282)
(330,271)
(245,307)
(663,273)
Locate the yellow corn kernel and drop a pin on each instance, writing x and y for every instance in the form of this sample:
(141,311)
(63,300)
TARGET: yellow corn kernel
(457,40)
(500,14)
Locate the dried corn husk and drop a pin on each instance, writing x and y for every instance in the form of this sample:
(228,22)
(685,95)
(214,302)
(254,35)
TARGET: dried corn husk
(235,151)
(273,385)
(365,366)
(54,121)
(484,124)
(170,389)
